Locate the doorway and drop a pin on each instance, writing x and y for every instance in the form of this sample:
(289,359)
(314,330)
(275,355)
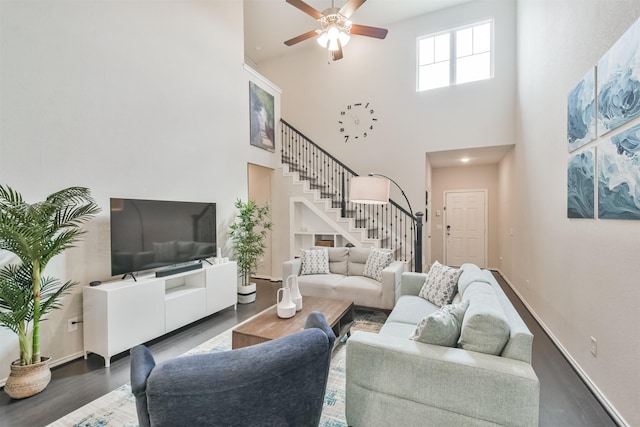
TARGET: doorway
(465,227)
(259,183)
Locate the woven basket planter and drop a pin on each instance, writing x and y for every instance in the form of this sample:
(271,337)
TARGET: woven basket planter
(25,381)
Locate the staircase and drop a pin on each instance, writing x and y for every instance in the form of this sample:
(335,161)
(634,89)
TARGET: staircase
(322,182)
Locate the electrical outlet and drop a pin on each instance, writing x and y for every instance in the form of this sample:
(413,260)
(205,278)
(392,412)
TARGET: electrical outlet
(72,324)
(528,284)
(594,347)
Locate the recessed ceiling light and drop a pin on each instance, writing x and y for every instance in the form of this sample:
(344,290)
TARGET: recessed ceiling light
(465,159)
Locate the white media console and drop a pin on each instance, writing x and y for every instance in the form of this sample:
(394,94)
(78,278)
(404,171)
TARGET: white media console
(121,314)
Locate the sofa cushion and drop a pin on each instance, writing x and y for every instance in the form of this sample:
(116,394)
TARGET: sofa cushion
(485,328)
(410,309)
(357,259)
(315,261)
(377,260)
(470,273)
(442,327)
(338,259)
(398,330)
(441,284)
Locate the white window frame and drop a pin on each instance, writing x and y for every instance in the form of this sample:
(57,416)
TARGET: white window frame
(452,54)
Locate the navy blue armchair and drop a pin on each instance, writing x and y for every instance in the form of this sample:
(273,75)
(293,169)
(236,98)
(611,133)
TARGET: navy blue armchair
(276,383)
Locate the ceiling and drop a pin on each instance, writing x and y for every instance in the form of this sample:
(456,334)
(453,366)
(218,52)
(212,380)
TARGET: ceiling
(268,23)
(476,156)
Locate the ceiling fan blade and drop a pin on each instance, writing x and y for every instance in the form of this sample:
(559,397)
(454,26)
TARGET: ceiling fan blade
(309,10)
(350,7)
(337,54)
(301,37)
(363,30)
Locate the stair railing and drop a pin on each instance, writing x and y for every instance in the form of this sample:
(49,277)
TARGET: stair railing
(392,225)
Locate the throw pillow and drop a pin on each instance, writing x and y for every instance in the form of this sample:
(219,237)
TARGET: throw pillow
(443,326)
(485,327)
(376,262)
(441,284)
(315,261)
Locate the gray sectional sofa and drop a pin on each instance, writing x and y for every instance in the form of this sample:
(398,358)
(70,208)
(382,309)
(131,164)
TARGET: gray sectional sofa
(346,281)
(394,380)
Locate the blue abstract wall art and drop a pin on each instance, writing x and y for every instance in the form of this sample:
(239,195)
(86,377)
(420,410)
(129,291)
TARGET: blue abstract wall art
(619,175)
(581,112)
(619,82)
(581,185)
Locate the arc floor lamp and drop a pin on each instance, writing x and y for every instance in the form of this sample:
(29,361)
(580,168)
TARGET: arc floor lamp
(374,190)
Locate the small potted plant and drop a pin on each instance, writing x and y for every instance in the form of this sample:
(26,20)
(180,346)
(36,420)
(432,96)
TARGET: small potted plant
(35,233)
(248,234)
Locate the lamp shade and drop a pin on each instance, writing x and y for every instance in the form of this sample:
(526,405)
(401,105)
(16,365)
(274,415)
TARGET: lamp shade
(369,190)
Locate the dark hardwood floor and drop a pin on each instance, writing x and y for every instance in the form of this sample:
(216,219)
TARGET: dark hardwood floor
(564,399)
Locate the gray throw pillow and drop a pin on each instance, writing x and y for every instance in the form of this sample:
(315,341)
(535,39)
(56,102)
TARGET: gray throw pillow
(485,327)
(315,261)
(442,327)
(441,284)
(376,262)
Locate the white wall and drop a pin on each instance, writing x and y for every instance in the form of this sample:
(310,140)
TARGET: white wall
(584,274)
(382,72)
(143,99)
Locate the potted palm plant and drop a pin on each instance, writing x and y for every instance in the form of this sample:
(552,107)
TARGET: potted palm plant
(248,234)
(35,233)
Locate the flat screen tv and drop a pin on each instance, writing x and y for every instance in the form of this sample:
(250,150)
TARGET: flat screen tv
(149,234)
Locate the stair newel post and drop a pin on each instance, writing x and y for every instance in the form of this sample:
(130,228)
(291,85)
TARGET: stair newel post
(418,249)
(343,201)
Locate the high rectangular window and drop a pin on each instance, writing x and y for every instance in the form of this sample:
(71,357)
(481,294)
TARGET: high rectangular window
(455,56)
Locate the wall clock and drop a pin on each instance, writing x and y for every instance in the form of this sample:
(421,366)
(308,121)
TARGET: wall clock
(357,121)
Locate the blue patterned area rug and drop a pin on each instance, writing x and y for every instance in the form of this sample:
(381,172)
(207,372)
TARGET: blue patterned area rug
(118,408)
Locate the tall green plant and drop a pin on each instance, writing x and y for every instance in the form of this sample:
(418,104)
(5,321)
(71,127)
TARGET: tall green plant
(36,233)
(248,234)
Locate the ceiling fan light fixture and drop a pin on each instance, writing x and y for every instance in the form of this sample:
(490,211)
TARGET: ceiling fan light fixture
(344,38)
(329,37)
(333,45)
(323,39)
(335,27)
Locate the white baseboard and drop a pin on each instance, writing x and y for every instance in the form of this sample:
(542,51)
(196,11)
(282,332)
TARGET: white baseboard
(617,417)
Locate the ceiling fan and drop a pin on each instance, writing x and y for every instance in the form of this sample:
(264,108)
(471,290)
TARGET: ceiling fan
(335,28)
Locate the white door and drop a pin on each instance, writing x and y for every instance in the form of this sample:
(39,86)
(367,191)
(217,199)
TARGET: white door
(465,227)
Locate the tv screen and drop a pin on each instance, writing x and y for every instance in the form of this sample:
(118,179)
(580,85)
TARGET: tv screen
(148,234)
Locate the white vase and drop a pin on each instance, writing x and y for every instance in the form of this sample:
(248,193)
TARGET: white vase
(247,294)
(284,306)
(296,296)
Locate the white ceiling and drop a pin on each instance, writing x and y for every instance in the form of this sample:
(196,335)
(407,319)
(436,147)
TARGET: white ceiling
(476,156)
(268,23)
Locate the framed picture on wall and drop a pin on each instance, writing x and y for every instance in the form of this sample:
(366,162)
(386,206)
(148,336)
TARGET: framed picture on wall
(618,70)
(262,118)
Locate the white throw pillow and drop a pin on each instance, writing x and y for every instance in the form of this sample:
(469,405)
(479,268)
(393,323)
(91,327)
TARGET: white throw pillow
(441,284)
(443,326)
(376,262)
(315,261)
